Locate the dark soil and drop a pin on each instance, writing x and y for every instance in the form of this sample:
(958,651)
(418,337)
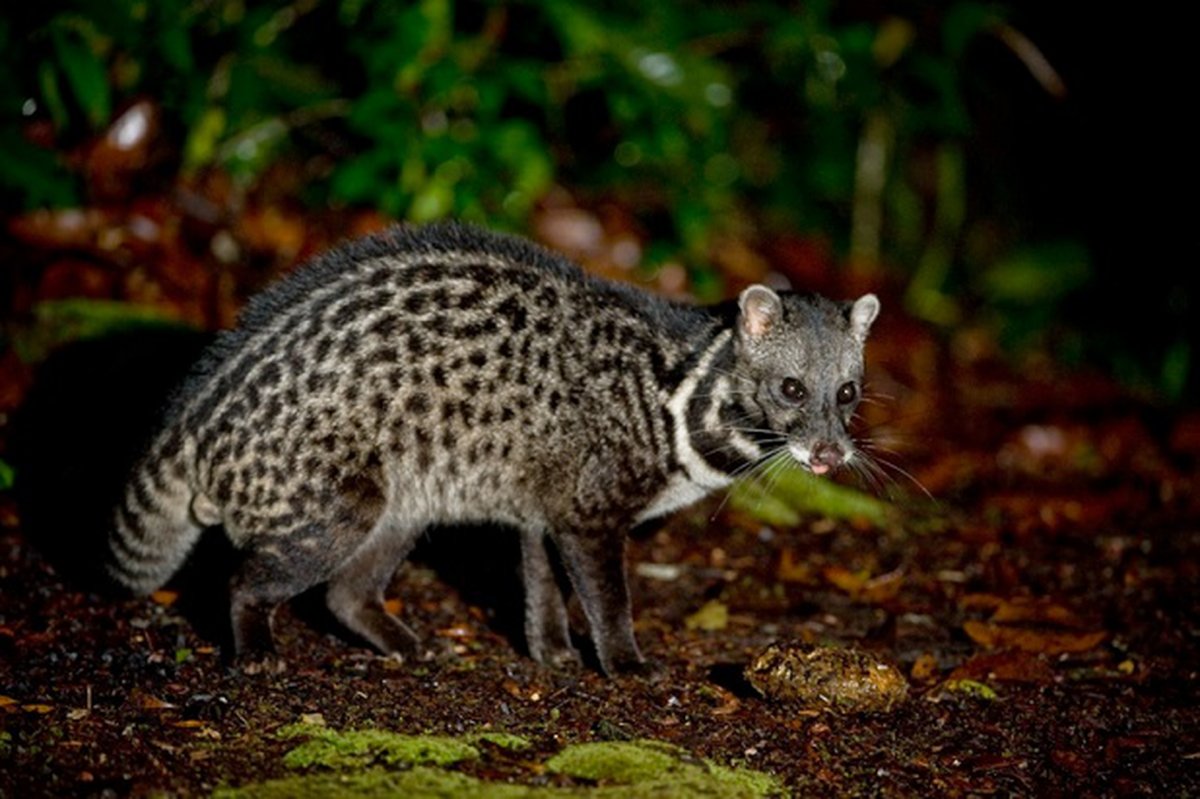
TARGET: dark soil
(1044,609)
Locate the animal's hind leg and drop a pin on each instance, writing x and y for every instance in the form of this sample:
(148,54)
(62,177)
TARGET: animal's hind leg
(355,594)
(265,579)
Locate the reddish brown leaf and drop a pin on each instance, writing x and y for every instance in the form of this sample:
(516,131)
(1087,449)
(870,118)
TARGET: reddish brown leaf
(995,636)
(1011,666)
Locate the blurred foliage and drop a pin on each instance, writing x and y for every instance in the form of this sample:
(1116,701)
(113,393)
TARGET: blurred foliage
(836,119)
(61,321)
(437,108)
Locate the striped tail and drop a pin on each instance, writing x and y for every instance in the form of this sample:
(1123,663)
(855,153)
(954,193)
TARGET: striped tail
(153,528)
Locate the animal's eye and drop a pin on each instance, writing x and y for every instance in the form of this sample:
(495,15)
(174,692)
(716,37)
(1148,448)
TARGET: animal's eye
(792,390)
(847,393)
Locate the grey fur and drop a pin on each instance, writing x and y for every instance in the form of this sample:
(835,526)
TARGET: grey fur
(449,375)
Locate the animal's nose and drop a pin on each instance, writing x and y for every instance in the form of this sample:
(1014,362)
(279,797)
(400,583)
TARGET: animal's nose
(826,456)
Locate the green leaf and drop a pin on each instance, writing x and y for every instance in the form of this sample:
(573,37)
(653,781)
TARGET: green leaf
(794,492)
(962,23)
(1042,273)
(360,179)
(1177,365)
(6,475)
(52,98)
(433,201)
(85,72)
(203,139)
(36,175)
(971,688)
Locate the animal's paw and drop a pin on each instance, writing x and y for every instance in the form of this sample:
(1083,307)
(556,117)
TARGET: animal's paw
(261,663)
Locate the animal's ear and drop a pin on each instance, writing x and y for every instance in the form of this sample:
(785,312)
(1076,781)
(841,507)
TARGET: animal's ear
(862,314)
(761,310)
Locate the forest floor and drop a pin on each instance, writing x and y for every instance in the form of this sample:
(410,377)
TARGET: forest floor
(1040,601)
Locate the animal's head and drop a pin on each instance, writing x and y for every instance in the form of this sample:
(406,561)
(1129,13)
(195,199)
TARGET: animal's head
(800,363)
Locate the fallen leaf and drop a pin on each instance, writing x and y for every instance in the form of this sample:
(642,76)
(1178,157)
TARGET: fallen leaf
(846,580)
(924,668)
(1049,642)
(146,701)
(972,688)
(39,709)
(1009,666)
(1072,762)
(1035,610)
(792,569)
(862,587)
(981,602)
(457,631)
(164,597)
(714,615)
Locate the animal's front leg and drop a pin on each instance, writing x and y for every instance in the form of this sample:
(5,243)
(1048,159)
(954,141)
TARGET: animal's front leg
(595,562)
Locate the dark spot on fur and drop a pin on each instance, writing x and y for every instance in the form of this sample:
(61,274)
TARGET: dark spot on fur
(414,303)
(514,312)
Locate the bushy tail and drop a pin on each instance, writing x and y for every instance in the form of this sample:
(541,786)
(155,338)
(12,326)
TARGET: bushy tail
(153,528)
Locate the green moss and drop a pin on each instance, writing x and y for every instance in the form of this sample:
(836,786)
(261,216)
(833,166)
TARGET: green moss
(658,769)
(357,748)
(353,764)
(616,761)
(375,783)
(504,740)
